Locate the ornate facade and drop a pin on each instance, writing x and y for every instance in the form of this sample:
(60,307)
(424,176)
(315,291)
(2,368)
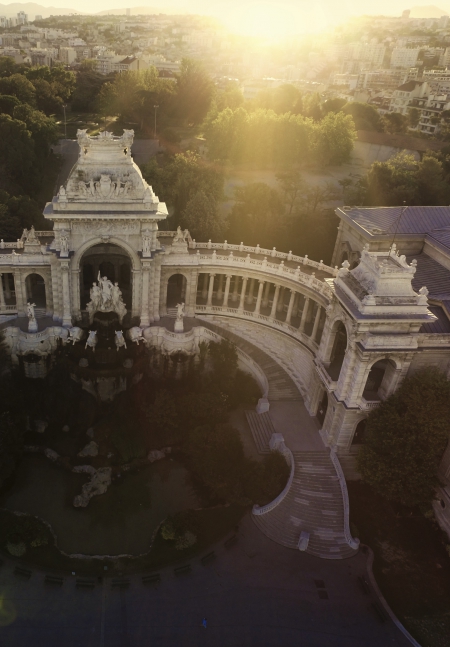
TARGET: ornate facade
(347,335)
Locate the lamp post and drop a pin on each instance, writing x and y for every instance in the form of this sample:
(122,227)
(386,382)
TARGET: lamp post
(155,107)
(65,121)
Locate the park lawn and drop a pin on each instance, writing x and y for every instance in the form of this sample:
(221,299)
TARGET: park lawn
(411,566)
(213,524)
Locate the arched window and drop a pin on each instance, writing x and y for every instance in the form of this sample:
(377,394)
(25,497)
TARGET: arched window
(379,381)
(35,287)
(176,290)
(360,432)
(338,351)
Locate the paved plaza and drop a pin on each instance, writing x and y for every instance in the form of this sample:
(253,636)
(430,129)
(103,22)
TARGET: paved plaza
(255,593)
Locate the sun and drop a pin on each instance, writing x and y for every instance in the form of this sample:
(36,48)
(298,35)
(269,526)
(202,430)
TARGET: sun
(274,21)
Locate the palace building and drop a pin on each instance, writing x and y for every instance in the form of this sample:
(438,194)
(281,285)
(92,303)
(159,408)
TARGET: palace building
(346,335)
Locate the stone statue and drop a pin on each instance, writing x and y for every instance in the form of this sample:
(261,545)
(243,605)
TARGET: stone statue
(64,243)
(146,245)
(91,340)
(31,236)
(180,236)
(106,287)
(179,326)
(119,339)
(32,323)
(106,297)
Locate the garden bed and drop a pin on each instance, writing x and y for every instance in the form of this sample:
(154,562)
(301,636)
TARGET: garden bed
(412,563)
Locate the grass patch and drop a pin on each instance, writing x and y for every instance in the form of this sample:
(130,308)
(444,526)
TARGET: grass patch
(412,566)
(212,524)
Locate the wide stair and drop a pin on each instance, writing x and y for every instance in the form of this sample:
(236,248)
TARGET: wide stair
(313,504)
(171,313)
(262,429)
(281,386)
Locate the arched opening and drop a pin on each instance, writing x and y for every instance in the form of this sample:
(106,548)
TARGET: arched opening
(9,292)
(176,290)
(338,351)
(344,257)
(109,260)
(35,288)
(360,432)
(379,380)
(323,406)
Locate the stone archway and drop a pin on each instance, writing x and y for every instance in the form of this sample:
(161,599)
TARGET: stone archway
(110,260)
(36,290)
(176,290)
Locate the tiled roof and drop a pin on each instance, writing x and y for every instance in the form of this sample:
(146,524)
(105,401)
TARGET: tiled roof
(432,275)
(409,220)
(441,236)
(441,325)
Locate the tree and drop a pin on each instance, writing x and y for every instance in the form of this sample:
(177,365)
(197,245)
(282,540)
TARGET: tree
(88,85)
(201,217)
(413,117)
(195,90)
(405,439)
(8,103)
(256,214)
(19,86)
(9,225)
(394,122)
(333,139)
(17,156)
(365,116)
(43,129)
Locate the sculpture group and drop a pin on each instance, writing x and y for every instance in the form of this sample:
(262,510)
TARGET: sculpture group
(106,296)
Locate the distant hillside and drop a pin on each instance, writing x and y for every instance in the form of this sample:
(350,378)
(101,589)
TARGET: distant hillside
(428,11)
(139,11)
(33,9)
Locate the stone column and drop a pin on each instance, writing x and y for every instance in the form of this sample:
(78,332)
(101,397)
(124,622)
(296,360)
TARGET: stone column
(250,292)
(145,320)
(273,312)
(210,289)
(205,286)
(243,289)
(280,304)
(227,291)
(2,296)
(67,319)
(295,307)
(76,305)
(290,306)
(265,301)
(304,315)
(234,296)
(316,323)
(219,294)
(259,298)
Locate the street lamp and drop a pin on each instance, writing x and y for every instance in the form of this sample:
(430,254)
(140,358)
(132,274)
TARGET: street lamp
(155,107)
(65,121)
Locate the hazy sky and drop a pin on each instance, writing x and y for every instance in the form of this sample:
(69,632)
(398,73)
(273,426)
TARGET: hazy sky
(261,17)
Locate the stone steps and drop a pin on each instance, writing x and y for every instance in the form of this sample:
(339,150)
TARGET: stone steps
(262,429)
(281,386)
(313,504)
(171,313)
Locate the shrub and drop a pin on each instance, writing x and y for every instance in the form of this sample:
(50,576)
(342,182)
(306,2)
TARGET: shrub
(17,550)
(405,439)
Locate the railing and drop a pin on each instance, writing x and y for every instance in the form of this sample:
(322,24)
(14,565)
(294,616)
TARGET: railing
(8,309)
(367,405)
(352,542)
(331,384)
(251,316)
(304,260)
(279,269)
(257,510)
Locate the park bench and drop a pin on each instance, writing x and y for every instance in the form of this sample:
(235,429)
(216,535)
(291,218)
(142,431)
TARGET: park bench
(153,578)
(85,584)
(120,583)
(231,541)
(182,570)
(22,572)
(210,557)
(54,579)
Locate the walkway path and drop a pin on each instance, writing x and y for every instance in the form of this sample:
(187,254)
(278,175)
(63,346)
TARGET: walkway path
(255,593)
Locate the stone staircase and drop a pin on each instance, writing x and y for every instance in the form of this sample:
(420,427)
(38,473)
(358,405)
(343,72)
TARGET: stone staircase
(171,313)
(40,313)
(313,504)
(262,429)
(281,386)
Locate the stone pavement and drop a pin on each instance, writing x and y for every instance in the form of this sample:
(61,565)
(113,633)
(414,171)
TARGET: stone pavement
(255,594)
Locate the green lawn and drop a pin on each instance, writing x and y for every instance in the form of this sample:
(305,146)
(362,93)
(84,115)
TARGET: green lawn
(412,565)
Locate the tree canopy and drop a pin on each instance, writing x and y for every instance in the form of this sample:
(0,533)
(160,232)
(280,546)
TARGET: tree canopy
(406,437)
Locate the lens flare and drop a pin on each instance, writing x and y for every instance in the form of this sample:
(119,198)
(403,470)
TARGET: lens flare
(8,611)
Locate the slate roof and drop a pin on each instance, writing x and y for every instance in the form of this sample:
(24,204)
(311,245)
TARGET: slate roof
(409,220)
(442,236)
(432,275)
(441,325)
